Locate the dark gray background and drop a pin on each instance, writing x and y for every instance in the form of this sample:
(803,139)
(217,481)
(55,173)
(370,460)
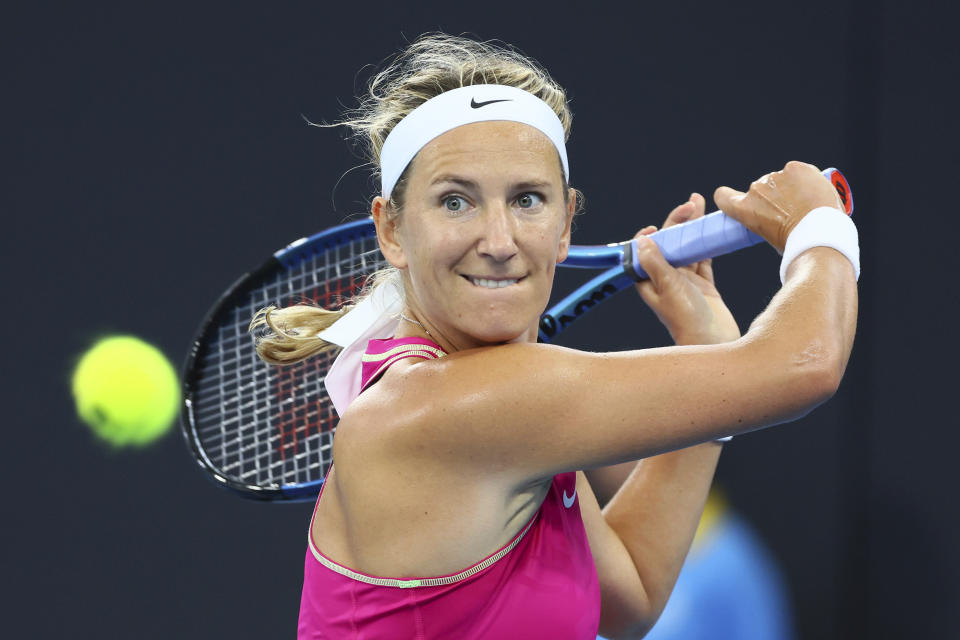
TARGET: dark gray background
(158,152)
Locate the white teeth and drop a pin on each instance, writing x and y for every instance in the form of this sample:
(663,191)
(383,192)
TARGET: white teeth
(492,284)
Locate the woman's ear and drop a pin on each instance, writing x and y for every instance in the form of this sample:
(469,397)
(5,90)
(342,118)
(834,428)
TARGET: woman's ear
(567,226)
(385,220)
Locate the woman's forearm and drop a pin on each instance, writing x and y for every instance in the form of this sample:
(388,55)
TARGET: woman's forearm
(656,512)
(655,509)
(812,319)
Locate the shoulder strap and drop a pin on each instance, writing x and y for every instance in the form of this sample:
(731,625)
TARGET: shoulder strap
(381,354)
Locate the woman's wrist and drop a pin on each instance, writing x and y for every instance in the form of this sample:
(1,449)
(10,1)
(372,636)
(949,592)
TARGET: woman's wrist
(823,227)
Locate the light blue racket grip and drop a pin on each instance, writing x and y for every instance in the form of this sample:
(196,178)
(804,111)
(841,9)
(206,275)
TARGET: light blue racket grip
(716,234)
(712,235)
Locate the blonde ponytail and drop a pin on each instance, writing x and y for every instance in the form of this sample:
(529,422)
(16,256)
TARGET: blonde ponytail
(289,335)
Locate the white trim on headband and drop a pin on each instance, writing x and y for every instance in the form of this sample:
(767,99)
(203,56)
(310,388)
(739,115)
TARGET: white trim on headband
(457,107)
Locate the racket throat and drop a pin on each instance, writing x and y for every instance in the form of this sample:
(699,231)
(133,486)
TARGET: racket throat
(630,266)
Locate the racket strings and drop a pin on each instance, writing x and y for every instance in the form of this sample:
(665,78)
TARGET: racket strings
(265,425)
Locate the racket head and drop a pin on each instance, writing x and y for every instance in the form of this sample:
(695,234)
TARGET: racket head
(266,431)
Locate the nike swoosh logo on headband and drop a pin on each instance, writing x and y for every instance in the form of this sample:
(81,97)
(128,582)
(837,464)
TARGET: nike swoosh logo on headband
(476,105)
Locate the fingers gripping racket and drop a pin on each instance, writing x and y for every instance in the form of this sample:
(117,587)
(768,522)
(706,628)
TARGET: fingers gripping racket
(712,235)
(266,432)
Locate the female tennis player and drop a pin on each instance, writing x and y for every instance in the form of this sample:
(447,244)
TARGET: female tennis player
(458,506)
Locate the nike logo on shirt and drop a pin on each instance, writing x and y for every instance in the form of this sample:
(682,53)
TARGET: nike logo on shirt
(477,105)
(568,502)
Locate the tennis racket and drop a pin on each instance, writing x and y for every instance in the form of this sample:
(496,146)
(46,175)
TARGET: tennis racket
(266,432)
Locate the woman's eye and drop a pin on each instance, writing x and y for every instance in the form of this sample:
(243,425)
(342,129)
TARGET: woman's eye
(454,203)
(529,200)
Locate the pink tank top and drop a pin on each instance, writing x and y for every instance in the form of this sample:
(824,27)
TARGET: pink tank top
(542,584)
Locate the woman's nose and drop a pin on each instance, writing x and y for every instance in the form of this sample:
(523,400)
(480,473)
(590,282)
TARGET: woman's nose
(498,240)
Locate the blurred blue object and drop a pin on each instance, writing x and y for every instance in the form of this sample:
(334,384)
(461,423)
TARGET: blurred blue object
(730,588)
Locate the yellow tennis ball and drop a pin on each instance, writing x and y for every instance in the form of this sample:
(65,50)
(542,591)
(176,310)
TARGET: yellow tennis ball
(126,390)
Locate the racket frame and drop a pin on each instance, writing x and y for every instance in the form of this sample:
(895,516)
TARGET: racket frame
(283,260)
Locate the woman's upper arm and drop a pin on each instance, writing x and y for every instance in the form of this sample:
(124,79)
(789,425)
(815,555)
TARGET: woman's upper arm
(535,410)
(623,601)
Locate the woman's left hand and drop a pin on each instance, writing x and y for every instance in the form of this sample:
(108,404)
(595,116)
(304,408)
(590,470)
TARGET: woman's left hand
(685,300)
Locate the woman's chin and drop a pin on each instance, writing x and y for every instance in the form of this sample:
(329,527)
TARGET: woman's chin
(491,335)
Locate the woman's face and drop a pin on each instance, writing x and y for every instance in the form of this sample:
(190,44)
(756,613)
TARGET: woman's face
(483,224)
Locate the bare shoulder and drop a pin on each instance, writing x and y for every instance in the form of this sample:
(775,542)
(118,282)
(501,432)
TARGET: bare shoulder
(438,415)
(388,409)
(396,434)
(398,509)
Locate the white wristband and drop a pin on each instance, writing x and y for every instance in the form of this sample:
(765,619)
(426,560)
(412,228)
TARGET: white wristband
(823,227)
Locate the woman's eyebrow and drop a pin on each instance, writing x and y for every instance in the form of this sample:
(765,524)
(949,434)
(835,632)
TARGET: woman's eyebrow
(471,184)
(532,184)
(463,182)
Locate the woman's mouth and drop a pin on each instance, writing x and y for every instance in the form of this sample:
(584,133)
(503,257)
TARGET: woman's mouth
(492,283)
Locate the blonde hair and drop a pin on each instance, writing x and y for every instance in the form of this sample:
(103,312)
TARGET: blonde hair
(431,65)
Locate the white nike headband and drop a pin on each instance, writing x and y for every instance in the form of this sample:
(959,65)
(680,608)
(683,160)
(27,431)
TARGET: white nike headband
(457,107)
